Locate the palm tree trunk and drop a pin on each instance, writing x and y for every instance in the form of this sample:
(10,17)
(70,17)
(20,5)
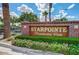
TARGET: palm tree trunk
(6,20)
(45,18)
(50,6)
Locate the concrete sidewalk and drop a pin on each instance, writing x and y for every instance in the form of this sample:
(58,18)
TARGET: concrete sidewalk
(14,50)
(7,51)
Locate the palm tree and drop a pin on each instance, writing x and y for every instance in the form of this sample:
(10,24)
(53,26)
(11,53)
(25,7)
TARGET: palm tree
(45,13)
(50,6)
(6,20)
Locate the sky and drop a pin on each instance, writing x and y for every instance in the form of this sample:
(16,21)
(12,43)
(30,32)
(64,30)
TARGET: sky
(68,10)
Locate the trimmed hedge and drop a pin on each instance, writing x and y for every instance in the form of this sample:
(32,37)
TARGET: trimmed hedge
(53,47)
(50,39)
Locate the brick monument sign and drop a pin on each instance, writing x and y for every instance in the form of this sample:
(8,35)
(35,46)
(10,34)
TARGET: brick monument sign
(56,28)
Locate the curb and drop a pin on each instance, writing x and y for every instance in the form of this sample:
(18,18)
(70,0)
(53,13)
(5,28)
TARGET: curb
(26,51)
(7,51)
(13,48)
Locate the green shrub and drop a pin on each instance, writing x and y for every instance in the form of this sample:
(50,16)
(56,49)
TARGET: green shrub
(21,43)
(61,48)
(31,44)
(74,50)
(64,45)
(55,47)
(50,39)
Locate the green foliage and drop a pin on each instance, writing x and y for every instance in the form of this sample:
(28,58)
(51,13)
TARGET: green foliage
(1,19)
(1,26)
(31,17)
(14,19)
(50,39)
(45,43)
(62,19)
(45,13)
(45,46)
(59,48)
(1,23)
(74,50)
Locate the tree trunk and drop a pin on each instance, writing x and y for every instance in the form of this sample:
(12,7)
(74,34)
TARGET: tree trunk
(50,6)
(45,18)
(6,20)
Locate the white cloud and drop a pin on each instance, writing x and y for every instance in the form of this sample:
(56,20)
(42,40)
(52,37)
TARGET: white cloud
(1,15)
(52,10)
(24,8)
(62,13)
(71,6)
(41,17)
(70,17)
(13,14)
(57,17)
(65,14)
(43,7)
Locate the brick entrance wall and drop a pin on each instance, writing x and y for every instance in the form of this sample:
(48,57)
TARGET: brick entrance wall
(73,27)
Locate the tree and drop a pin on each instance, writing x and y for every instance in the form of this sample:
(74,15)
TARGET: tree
(45,13)
(6,20)
(1,23)
(64,19)
(50,6)
(13,19)
(31,17)
(1,19)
